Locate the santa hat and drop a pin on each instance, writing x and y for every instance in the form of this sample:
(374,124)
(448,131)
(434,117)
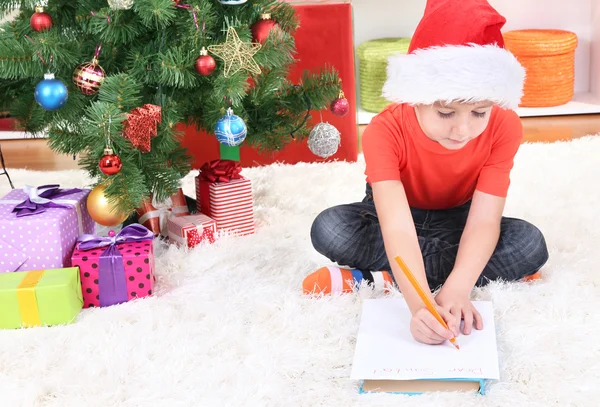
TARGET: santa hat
(456,54)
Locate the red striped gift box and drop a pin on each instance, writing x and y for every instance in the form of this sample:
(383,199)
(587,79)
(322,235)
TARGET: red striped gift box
(229,203)
(192,229)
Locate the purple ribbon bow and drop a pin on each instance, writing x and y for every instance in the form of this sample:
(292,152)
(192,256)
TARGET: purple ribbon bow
(40,198)
(112,282)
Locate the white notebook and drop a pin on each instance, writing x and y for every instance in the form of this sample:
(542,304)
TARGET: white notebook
(385,349)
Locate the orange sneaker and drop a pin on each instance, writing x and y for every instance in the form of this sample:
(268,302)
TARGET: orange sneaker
(533,277)
(336,280)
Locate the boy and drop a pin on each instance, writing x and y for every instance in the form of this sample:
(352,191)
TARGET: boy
(437,164)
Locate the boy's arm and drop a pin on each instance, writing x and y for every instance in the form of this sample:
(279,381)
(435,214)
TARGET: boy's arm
(478,241)
(477,244)
(384,152)
(400,238)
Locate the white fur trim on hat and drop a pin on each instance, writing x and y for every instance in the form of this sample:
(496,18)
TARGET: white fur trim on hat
(469,73)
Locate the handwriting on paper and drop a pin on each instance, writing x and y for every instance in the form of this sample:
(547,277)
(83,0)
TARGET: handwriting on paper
(385,348)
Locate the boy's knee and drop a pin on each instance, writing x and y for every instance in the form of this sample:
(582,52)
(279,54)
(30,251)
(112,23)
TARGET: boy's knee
(521,252)
(534,249)
(333,232)
(322,231)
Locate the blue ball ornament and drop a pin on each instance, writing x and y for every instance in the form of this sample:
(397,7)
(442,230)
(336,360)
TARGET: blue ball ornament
(51,93)
(231,129)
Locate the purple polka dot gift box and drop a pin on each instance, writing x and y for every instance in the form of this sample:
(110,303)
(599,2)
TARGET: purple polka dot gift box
(39,227)
(117,268)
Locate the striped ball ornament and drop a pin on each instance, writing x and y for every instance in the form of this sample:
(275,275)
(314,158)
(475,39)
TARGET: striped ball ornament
(88,77)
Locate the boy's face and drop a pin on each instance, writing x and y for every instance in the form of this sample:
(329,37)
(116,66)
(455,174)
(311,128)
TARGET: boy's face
(453,125)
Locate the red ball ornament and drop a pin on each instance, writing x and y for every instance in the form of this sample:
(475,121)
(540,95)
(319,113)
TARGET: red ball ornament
(40,20)
(205,64)
(340,106)
(110,163)
(262,28)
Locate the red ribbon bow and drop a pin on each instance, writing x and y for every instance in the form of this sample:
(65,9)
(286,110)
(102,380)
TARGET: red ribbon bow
(141,125)
(220,171)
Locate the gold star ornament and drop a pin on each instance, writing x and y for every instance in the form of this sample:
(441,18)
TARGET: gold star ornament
(236,54)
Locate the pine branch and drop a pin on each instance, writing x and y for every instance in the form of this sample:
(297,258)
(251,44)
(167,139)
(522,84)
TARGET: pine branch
(175,69)
(155,14)
(122,91)
(148,54)
(277,51)
(33,119)
(115,27)
(285,15)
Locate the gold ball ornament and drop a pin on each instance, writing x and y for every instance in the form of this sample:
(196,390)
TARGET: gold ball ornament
(101,211)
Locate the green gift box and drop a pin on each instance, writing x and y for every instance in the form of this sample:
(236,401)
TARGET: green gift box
(40,297)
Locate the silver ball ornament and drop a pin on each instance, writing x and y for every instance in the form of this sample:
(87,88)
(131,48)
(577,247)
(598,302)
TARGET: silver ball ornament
(120,4)
(324,140)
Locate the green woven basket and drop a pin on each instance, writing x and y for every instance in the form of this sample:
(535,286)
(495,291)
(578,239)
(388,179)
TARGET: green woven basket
(373,56)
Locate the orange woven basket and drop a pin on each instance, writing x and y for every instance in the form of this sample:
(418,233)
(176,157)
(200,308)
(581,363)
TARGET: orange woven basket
(549,60)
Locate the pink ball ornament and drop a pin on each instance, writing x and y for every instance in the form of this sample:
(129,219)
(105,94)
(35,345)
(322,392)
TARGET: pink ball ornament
(340,106)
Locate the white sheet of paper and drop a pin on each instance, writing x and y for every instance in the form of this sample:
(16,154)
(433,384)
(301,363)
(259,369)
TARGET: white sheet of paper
(385,348)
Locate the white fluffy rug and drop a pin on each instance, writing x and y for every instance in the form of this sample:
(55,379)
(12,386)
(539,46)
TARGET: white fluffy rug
(228,325)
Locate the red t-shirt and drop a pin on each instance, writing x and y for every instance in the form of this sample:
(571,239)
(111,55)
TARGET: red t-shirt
(396,148)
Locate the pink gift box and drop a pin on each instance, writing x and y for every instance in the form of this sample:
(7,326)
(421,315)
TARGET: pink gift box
(137,260)
(192,229)
(44,240)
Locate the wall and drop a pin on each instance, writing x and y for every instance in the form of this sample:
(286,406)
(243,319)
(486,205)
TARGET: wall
(595,50)
(399,18)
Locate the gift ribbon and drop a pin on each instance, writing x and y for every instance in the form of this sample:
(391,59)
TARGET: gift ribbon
(111,275)
(39,199)
(163,211)
(220,171)
(30,315)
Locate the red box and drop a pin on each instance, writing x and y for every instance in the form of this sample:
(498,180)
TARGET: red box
(192,229)
(8,124)
(325,38)
(230,204)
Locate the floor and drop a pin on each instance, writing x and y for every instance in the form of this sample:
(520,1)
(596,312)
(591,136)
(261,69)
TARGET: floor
(34,153)
(228,325)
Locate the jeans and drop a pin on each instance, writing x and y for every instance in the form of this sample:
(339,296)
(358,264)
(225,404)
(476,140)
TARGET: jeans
(350,235)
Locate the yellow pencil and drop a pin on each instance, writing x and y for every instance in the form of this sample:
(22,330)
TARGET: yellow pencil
(423,296)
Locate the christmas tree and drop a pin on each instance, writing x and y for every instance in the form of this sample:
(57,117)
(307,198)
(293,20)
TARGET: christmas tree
(110,82)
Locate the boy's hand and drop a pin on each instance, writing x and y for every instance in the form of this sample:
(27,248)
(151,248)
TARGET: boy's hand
(460,306)
(426,329)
